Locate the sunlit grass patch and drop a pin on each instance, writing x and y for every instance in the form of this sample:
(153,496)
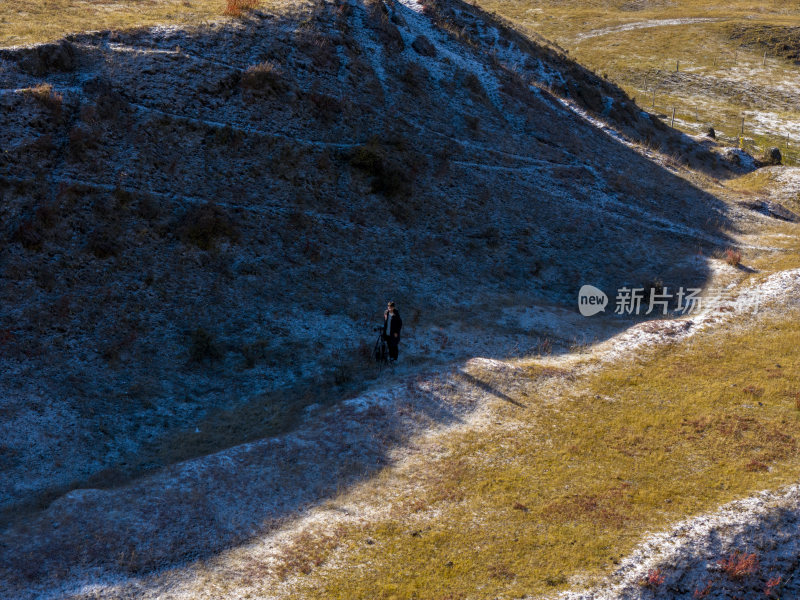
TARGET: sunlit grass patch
(554,493)
(32,21)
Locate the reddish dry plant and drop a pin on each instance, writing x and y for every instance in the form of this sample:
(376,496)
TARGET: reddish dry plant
(654,578)
(235,8)
(739,565)
(772,583)
(733,257)
(753,390)
(702,592)
(757,466)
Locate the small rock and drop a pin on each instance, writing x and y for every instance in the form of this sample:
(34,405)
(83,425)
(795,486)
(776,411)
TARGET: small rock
(773,157)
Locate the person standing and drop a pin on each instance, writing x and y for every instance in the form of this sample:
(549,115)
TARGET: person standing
(392,324)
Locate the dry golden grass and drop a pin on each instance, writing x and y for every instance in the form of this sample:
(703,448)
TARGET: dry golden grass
(32,21)
(44,94)
(555,491)
(631,58)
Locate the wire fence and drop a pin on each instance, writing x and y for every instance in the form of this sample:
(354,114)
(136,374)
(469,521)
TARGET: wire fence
(666,88)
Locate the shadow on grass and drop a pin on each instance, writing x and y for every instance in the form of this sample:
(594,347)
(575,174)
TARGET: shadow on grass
(757,559)
(581,208)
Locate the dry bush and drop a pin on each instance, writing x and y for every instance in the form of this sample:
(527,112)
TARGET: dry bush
(795,395)
(47,97)
(322,51)
(325,108)
(264,79)
(702,592)
(771,584)
(653,579)
(733,257)
(739,565)
(306,552)
(235,8)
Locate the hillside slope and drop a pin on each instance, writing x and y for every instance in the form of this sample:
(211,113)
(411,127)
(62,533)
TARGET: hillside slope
(201,225)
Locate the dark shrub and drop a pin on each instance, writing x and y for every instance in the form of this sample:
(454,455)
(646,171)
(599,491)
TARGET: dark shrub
(473,84)
(325,107)
(109,103)
(264,79)
(773,157)
(103,244)
(202,346)
(390,176)
(48,58)
(423,46)
(29,234)
(414,77)
(203,224)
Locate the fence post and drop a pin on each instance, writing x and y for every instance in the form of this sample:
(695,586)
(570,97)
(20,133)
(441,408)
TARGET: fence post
(672,124)
(764,62)
(677,66)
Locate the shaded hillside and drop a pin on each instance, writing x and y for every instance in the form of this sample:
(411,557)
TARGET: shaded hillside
(197,221)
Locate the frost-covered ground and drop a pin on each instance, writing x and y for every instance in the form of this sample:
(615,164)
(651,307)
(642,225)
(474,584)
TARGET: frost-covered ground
(688,560)
(196,251)
(262,496)
(135,312)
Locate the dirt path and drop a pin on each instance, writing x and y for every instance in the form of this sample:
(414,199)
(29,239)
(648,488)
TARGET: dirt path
(643,25)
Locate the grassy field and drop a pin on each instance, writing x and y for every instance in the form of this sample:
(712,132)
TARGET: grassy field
(556,493)
(33,21)
(717,51)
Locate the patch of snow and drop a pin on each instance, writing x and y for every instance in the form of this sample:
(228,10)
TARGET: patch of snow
(643,25)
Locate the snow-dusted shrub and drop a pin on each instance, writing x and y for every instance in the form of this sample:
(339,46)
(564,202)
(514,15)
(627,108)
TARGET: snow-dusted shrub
(263,79)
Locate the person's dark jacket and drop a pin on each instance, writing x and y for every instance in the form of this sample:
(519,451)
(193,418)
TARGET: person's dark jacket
(397,324)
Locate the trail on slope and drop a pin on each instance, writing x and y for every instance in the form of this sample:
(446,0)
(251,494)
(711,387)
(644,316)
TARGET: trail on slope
(643,25)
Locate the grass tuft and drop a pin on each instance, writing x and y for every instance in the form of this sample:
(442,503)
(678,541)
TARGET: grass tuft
(235,8)
(733,257)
